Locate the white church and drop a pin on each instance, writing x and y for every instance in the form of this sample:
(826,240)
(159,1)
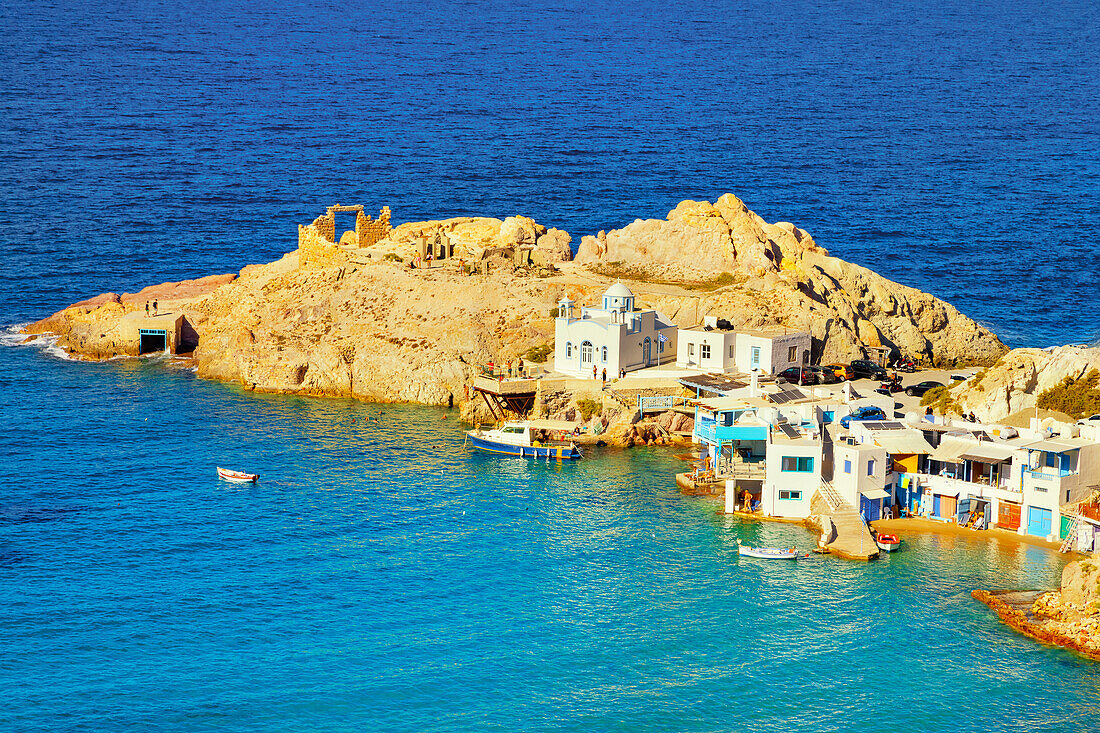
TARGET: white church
(614,337)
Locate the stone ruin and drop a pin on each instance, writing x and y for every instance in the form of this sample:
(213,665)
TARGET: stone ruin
(481,242)
(317,240)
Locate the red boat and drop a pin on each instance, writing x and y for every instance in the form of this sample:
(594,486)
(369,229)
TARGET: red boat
(887,542)
(239,476)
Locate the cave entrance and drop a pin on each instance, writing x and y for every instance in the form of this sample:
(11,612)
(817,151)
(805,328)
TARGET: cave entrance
(152,339)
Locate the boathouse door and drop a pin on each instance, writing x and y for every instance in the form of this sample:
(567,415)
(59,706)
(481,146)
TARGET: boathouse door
(152,339)
(647,349)
(1038,521)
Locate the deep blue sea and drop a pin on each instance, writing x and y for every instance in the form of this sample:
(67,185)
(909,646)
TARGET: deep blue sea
(379,577)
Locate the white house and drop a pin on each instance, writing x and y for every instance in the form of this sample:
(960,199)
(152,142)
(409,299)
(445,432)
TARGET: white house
(859,474)
(715,347)
(795,459)
(617,336)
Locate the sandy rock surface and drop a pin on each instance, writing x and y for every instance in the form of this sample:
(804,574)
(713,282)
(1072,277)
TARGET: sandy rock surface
(381,331)
(1017,379)
(778,275)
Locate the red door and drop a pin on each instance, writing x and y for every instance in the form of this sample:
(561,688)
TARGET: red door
(1008,515)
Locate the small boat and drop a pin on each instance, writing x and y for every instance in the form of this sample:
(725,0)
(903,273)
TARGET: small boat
(887,542)
(515,439)
(239,476)
(767,553)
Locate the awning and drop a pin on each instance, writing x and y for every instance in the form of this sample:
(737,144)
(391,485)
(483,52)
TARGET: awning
(950,450)
(987,452)
(902,442)
(875,494)
(1053,446)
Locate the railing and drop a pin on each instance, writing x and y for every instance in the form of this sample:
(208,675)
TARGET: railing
(746,470)
(1051,475)
(660,402)
(831,496)
(962,486)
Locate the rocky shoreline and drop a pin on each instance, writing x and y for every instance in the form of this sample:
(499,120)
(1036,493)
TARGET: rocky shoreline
(350,316)
(1068,617)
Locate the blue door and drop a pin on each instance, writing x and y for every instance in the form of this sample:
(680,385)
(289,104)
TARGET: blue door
(1038,521)
(755,357)
(935,505)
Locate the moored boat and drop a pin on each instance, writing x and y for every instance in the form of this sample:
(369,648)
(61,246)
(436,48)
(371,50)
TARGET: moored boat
(238,476)
(767,553)
(887,542)
(518,439)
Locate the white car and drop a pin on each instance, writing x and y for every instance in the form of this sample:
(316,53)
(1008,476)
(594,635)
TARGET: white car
(1094,420)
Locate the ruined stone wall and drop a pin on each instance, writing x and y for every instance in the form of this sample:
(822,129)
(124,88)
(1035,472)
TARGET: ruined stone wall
(369,231)
(315,250)
(317,246)
(326,226)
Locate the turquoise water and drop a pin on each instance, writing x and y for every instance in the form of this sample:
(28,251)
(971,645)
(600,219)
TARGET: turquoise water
(379,577)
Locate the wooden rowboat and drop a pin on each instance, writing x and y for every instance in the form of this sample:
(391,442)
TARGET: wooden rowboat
(767,553)
(239,476)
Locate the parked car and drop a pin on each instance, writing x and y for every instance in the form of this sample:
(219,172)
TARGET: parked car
(824,374)
(842,371)
(918,389)
(868,412)
(864,368)
(1094,420)
(798,375)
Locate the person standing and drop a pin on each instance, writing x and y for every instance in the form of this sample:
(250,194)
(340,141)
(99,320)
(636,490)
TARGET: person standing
(593,371)
(147,308)
(603,375)
(154,307)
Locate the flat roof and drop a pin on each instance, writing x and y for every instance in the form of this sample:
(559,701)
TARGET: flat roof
(714,382)
(902,442)
(1061,445)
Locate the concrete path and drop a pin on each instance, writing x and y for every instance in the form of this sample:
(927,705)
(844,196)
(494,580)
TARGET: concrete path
(851,538)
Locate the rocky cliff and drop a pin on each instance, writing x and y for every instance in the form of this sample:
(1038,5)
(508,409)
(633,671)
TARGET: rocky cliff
(758,274)
(372,327)
(1017,379)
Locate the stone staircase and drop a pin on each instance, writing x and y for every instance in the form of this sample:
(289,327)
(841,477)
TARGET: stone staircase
(853,539)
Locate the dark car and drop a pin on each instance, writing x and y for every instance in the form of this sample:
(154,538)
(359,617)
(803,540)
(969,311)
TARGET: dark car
(918,390)
(824,376)
(864,368)
(863,413)
(798,375)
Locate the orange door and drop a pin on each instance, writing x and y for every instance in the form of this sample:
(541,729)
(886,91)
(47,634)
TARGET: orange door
(948,506)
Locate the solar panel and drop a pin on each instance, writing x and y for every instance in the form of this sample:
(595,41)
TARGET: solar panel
(880,425)
(788,430)
(787,395)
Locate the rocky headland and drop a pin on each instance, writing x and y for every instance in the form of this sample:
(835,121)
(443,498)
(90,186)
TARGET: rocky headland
(1068,617)
(351,316)
(1016,381)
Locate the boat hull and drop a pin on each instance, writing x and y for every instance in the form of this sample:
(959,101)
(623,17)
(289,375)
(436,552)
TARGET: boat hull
(556,452)
(766,553)
(237,476)
(888,546)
